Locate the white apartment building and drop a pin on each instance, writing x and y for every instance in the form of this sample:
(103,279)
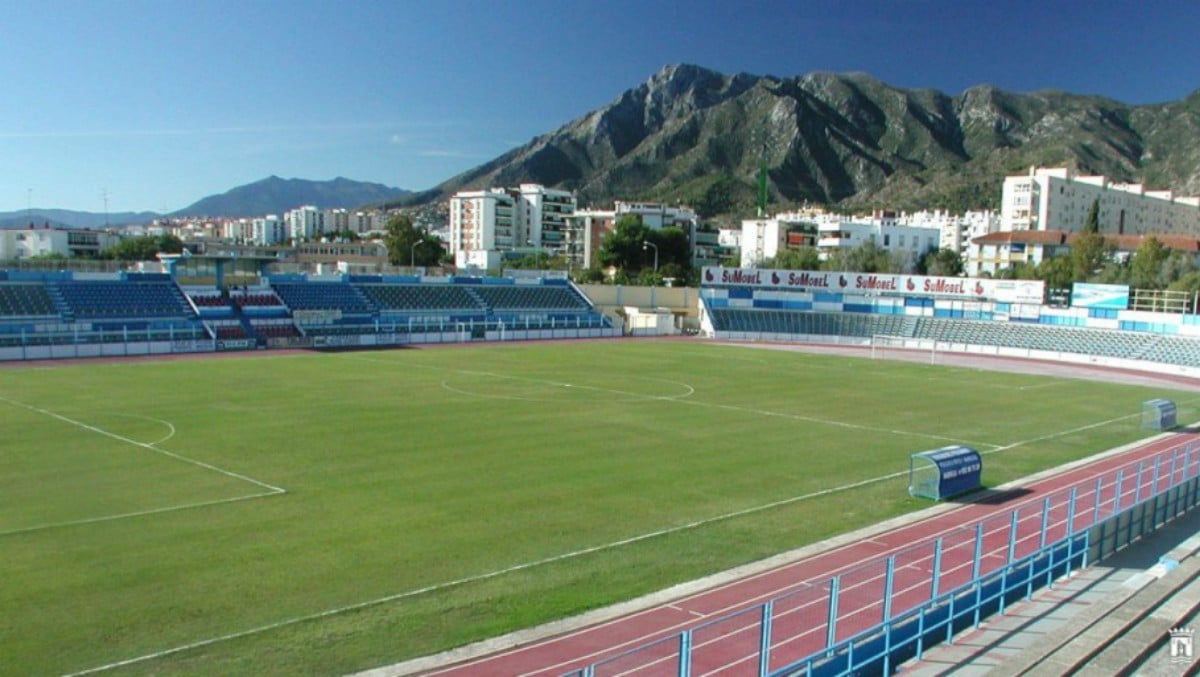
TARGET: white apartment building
(486,223)
(238,230)
(482,225)
(365,222)
(335,220)
(304,223)
(268,230)
(911,234)
(25,243)
(1058,199)
(910,242)
(957,230)
(542,215)
(762,239)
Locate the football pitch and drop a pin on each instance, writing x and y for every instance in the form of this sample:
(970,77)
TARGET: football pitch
(325,513)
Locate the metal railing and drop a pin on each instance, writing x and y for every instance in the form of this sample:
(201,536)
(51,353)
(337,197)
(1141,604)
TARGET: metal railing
(869,617)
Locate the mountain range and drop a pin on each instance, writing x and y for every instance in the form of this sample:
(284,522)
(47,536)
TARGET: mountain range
(274,195)
(689,134)
(271,195)
(693,135)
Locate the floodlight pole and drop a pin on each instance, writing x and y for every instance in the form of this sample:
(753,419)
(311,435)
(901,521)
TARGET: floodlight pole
(412,255)
(647,243)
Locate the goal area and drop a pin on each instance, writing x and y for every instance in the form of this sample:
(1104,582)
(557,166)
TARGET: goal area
(891,346)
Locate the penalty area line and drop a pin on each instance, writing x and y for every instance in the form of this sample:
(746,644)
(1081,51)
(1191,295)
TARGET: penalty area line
(437,587)
(145,445)
(140,513)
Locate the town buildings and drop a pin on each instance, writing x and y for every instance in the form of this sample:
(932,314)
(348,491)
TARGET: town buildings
(485,226)
(589,227)
(1058,199)
(1043,210)
(908,234)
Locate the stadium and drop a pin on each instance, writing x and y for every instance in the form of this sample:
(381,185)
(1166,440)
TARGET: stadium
(216,470)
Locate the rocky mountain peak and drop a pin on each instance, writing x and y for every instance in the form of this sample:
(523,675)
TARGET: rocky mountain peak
(692,134)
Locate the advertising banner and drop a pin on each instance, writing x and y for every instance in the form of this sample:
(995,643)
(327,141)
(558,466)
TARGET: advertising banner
(1099,296)
(963,288)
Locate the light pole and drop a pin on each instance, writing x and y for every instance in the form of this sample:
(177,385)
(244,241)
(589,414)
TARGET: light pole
(646,243)
(412,255)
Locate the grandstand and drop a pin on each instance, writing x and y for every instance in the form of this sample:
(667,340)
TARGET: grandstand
(941,314)
(419,298)
(141,313)
(19,300)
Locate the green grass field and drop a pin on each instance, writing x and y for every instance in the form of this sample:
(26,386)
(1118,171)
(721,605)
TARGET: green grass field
(323,513)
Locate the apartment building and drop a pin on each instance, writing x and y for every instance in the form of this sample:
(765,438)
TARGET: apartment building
(268,230)
(304,223)
(25,243)
(908,242)
(1058,199)
(485,224)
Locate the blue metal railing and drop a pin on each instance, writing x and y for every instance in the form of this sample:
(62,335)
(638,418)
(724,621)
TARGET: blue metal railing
(873,616)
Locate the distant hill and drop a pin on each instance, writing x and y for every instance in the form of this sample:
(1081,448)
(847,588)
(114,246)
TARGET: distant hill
(694,135)
(66,218)
(274,195)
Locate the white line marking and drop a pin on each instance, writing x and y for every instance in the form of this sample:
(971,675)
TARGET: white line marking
(478,577)
(835,423)
(140,513)
(1060,433)
(690,612)
(169,425)
(681,399)
(688,390)
(145,445)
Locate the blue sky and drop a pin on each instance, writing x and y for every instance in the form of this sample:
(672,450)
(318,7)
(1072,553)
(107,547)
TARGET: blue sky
(158,103)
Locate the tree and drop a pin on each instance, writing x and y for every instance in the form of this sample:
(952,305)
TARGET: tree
(1189,282)
(865,258)
(1092,223)
(942,263)
(801,258)
(1057,272)
(1146,266)
(1089,253)
(622,248)
(1018,271)
(673,247)
(1179,265)
(591,275)
(407,244)
(51,256)
(344,235)
(143,248)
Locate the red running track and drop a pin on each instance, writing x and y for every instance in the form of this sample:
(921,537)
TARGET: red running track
(805,583)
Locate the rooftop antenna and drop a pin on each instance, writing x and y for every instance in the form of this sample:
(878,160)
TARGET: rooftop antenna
(104,195)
